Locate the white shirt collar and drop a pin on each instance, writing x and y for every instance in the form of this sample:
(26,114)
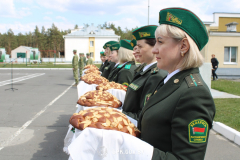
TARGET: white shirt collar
(170,75)
(147,66)
(116,64)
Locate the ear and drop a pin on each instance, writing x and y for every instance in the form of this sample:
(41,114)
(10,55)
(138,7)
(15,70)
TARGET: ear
(184,46)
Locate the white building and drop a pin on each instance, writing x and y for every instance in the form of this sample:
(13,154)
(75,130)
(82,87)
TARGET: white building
(25,52)
(88,40)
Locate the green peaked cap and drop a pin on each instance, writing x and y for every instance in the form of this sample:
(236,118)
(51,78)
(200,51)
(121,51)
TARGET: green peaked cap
(187,21)
(81,53)
(74,50)
(126,44)
(115,46)
(144,32)
(109,43)
(102,53)
(88,54)
(133,43)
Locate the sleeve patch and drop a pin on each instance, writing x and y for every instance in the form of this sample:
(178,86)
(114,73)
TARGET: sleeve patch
(125,84)
(198,131)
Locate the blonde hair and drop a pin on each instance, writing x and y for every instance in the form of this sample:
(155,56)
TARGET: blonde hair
(125,55)
(192,58)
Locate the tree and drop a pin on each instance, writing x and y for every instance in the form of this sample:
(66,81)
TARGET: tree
(76,26)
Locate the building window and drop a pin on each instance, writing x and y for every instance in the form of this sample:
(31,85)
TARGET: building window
(91,43)
(230,55)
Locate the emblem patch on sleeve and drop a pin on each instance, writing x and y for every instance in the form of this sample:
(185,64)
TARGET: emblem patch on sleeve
(125,84)
(198,131)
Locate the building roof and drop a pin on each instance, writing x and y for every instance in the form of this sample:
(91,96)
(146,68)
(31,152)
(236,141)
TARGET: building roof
(92,31)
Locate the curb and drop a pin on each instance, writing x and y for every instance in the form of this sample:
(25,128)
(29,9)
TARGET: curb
(36,68)
(228,132)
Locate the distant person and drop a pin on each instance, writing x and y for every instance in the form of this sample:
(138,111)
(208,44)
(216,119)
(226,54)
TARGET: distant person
(84,59)
(81,64)
(89,61)
(75,67)
(215,63)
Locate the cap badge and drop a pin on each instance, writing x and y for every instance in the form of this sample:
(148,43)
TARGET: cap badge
(171,18)
(144,34)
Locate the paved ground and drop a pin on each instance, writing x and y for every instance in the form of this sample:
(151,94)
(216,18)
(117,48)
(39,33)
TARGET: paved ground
(34,118)
(218,94)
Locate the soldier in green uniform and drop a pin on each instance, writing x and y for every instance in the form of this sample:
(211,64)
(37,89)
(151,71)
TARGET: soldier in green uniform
(81,64)
(142,83)
(84,60)
(89,61)
(109,65)
(124,72)
(136,55)
(75,67)
(177,118)
(114,58)
(103,59)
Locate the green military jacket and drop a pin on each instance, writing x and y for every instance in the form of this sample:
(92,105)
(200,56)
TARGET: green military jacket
(108,68)
(177,118)
(140,89)
(102,66)
(81,62)
(75,62)
(89,61)
(139,68)
(114,71)
(84,60)
(124,73)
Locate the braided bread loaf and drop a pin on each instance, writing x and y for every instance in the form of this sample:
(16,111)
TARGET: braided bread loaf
(103,118)
(99,98)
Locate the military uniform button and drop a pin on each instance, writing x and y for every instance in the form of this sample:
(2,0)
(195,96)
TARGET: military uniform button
(176,80)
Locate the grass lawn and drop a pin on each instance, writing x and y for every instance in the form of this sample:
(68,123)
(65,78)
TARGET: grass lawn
(228,112)
(227,86)
(43,65)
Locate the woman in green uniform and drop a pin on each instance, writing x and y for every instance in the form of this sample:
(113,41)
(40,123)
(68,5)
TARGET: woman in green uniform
(137,93)
(178,116)
(109,65)
(103,59)
(124,72)
(136,55)
(114,58)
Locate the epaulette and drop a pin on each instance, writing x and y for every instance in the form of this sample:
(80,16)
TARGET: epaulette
(194,80)
(154,70)
(128,66)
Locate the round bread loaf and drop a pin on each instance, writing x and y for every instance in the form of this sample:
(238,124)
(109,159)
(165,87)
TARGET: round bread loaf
(110,85)
(92,70)
(91,66)
(99,98)
(103,118)
(93,78)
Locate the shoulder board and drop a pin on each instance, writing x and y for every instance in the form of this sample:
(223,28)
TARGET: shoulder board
(128,66)
(194,80)
(154,70)
(119,66)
